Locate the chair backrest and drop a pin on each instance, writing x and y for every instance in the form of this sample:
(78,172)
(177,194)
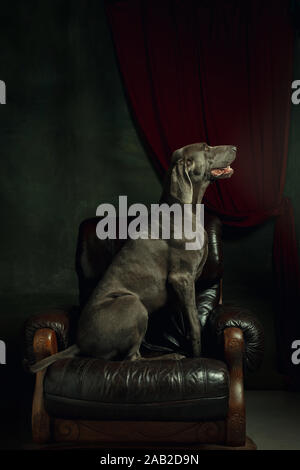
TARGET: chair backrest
(93,256)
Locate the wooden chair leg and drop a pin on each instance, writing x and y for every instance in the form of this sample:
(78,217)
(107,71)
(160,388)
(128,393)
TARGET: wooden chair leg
(236,419)
(44,344)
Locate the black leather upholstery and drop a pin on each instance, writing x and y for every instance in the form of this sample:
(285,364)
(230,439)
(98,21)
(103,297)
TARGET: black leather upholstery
(186,390)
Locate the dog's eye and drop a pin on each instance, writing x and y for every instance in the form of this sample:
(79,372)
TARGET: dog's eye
(189,161)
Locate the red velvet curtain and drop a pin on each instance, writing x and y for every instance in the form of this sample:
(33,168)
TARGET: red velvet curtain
(220,72)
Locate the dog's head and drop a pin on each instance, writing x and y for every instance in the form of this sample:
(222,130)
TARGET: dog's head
(198,165)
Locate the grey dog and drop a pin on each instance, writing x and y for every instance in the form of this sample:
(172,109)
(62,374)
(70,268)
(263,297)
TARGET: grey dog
(114,321)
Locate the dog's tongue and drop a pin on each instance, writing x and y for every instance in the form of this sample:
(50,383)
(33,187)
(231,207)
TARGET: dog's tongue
(221,171)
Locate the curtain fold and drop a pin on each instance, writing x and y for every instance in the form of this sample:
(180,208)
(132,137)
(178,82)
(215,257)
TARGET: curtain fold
(220,72)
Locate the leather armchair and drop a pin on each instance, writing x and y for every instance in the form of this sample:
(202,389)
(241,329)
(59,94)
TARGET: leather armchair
(195,401)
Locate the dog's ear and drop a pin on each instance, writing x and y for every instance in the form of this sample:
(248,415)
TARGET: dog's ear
(181,186)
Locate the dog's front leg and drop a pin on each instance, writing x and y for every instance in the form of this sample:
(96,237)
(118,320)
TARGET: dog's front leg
(184,287)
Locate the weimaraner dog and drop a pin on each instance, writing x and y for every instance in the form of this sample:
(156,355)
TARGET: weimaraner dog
(113,323)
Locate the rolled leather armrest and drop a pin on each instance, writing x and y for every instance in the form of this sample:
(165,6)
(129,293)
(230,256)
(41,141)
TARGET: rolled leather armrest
(60,320)
(228,316)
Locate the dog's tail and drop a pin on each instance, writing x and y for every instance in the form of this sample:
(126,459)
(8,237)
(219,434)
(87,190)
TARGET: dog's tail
(42,364)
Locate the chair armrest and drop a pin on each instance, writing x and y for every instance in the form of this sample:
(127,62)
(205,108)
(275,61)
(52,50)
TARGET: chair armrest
(236,419)
(229,316)
(61,321)
(44,345)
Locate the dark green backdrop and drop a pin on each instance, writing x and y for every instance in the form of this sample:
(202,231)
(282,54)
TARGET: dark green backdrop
(67,144)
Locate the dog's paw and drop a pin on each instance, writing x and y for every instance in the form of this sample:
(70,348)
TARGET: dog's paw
(180,356)
(164,357)
(174,356)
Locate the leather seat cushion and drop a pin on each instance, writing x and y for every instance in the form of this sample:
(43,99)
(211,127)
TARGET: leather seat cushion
(192,389)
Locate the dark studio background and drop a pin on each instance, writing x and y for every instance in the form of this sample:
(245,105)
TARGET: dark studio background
(68,143)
